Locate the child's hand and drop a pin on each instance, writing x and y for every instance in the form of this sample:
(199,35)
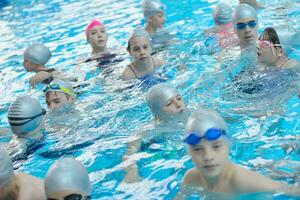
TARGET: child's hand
(39,78)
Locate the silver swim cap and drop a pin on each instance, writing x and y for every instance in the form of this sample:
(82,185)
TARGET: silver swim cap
(25,115)
(67,174)
(60,86)
(151,7)
(222,14)
(37,54)
(202,120)
(139,32)
(6,167)
(244,11)
(289,38)
(158,96)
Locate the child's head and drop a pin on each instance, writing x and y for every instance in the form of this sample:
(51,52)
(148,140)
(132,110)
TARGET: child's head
(245,24)
(36,55)
(58,93)
(164,101)
(222,14)
(67,177)
(96,36)
(139,45)
(25,115)
(252,3)
(154,12)
(207,142)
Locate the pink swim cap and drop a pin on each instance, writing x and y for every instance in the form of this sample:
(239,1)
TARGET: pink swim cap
(91,25)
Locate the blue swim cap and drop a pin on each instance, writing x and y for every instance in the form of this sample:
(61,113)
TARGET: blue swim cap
(6,167)
(158,96)
(151,7)
(67,174)
(37,54)
(222,14)
(25,115)
(244,11)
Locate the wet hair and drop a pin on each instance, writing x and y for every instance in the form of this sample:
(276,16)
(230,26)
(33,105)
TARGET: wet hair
(270,35)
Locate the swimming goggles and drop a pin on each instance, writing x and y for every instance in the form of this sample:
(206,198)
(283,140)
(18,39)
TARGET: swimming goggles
(29,119)
(57,87)
(210,135)
(73,197)
(266,44)
(241,25)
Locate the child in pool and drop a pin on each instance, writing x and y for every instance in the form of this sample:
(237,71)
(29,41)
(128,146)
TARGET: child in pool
(165,104)
(26,120)
(58,94)
(273,51)
(139,47)
(97,37)
(17,185)
(208,145)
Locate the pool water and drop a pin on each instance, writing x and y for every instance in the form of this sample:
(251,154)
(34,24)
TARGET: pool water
(265,125)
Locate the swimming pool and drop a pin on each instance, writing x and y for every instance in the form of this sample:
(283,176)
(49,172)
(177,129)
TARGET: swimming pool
(106,116)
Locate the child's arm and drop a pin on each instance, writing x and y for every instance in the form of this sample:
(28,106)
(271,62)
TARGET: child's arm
(246,181)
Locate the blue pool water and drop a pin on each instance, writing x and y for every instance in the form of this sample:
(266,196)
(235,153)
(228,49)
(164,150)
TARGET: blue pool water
(108,113)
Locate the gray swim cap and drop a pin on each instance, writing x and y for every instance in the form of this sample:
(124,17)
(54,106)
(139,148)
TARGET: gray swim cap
(202,120)
(67,174)
(25,115)
(139,32)
(60,86)
(37,54)
(244,11)
(158,96)
(6,167)
(151,7)
(289,38)
(222,14)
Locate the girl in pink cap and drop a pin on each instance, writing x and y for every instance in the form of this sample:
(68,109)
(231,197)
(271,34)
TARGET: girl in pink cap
(96,36)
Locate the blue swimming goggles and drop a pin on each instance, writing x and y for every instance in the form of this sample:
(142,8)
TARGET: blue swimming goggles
(28,119)
(57,87)
(73,197)
(210,135)
(241,25)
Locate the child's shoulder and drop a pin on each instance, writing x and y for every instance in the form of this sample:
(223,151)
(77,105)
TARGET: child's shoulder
(192,177)
(158,62)
(128,72)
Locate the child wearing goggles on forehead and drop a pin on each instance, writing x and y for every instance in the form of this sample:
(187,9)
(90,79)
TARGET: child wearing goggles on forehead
(58,94)
(208,145)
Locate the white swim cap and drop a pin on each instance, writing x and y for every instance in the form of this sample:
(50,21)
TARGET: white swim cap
(6,167)
(151,7)
(244,11)
(222,14)
(25,115)
(139,32)
(60,86)
(67,174)
(37,54)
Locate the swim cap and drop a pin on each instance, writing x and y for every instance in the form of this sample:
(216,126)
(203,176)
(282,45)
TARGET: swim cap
(25,115)
(158,96)
(6,167)
(289,38)
(67,174)
(202,120)
(244,11)
(151,7)
(222,14)
(37,54)
(139,32)
(60,86)
(91,25)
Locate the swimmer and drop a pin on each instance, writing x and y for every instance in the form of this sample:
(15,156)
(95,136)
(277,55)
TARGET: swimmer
(59,94)
(208,143)
(165,104)
(252,3)
(96,36)
(26,120)
(271,51)
(139,47)
(17,185)
(68,178)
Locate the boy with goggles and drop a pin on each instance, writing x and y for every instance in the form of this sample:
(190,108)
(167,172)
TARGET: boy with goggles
(208,145)
(59,93)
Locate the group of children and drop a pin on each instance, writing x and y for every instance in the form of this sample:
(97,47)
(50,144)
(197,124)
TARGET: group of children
(206,134)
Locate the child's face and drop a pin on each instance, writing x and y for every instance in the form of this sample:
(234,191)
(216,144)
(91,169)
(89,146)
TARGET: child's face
(210,157)
(140,49)
(174,105)
(56,100)
(97,37)
(247,35)
(28,65)
(267,54)
(158,20)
